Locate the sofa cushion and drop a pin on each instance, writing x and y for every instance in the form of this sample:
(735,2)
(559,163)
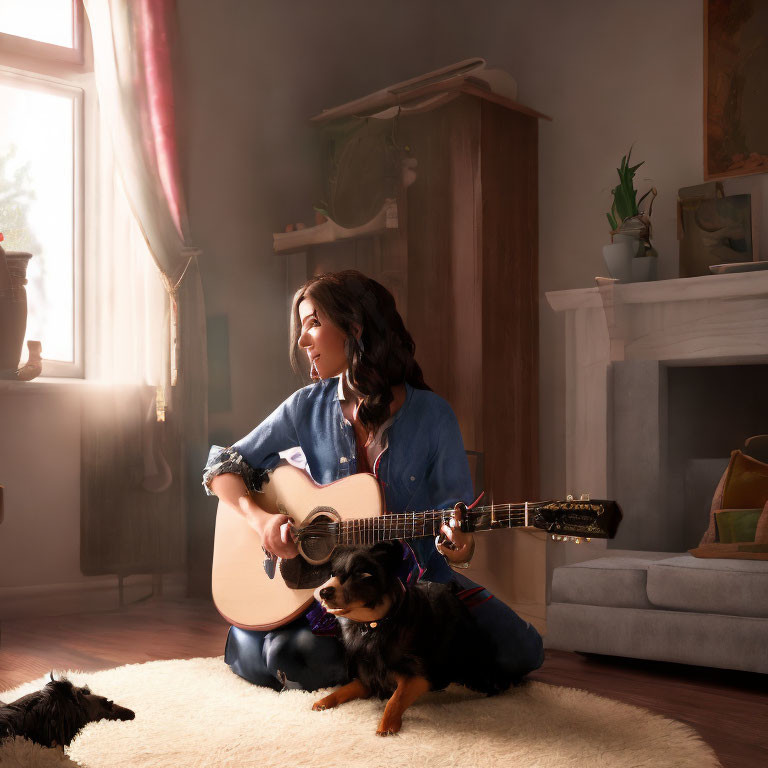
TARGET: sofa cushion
(611,581)
(712,640)
(733,587)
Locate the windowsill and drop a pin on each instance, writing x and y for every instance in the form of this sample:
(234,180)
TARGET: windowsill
(42,384)
(54,384)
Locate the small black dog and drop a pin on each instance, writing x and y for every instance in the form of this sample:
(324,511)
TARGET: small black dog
(53,715)
(402,642)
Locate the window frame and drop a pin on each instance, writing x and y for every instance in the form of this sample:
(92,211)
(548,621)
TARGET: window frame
(55,68)
(36,49)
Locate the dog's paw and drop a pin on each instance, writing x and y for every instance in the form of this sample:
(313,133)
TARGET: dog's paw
(389,727)
(329,702)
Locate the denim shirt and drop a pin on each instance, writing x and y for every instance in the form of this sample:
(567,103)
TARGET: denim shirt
(422,466)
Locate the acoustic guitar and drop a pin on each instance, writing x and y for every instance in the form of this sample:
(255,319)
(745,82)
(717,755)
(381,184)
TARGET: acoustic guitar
(253,590)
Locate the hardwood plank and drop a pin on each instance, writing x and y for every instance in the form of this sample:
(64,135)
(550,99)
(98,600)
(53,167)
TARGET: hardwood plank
(151,630)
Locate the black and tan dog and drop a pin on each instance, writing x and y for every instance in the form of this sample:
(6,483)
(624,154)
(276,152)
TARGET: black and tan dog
(53,715)
(402,642)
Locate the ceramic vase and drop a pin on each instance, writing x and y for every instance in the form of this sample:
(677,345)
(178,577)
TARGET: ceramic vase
(644,268)
(13,309)
(618,258)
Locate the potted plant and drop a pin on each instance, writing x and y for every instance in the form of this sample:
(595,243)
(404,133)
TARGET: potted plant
(630,257)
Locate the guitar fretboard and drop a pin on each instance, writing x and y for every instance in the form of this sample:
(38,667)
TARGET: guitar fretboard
(412,525)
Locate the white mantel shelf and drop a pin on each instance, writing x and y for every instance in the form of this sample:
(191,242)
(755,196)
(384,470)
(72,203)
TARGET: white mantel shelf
(736,285)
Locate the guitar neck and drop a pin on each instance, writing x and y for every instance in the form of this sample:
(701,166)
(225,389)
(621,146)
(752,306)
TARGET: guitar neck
(413,525)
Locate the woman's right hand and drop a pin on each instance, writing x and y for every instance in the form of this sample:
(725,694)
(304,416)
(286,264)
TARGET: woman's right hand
(275,533)
(273,530)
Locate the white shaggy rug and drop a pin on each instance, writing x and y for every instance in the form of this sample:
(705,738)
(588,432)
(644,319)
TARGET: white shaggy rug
(197,713)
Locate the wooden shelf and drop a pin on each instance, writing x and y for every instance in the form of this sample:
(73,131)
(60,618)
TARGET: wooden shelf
(329,231)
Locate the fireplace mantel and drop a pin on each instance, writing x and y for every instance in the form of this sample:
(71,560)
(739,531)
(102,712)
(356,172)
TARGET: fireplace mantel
(710,320)
(718,287)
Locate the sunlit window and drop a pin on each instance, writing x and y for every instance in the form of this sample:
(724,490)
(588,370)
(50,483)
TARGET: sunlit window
(37,205)
(47,102)
(47,21)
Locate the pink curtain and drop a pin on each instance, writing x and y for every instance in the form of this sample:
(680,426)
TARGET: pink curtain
(154,23)
(133,45)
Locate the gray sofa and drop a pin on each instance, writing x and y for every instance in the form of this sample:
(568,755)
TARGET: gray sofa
(663,606)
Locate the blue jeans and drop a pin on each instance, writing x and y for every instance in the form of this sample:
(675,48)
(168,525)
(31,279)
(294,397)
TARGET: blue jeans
(294,657)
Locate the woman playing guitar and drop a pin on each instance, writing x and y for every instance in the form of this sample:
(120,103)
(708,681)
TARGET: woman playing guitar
(368,410)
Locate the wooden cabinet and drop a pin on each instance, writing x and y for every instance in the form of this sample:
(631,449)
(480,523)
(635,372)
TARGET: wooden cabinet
(472,279)
(463,266)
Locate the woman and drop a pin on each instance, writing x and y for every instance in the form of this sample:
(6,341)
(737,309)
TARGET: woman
(368,410)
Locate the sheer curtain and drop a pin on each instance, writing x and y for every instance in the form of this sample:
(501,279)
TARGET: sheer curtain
(147,322)
(126,303)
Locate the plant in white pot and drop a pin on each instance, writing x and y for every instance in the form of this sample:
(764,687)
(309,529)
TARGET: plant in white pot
(630,257)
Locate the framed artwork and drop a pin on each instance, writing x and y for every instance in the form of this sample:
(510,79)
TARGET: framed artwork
(735,92)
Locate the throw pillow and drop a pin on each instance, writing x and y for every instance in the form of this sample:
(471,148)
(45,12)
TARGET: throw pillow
(736,525)
(744,485)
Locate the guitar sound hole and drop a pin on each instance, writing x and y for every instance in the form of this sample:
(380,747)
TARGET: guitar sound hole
(318,538)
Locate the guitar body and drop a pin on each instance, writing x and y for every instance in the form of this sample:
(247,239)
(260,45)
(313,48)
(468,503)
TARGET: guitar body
(253,591)
(243,591)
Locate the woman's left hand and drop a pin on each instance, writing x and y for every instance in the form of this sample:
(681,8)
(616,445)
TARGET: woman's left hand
(463,543)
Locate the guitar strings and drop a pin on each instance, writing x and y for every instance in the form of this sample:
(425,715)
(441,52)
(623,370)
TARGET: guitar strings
(438,512)
(400,522)
(396,525)
(389,520)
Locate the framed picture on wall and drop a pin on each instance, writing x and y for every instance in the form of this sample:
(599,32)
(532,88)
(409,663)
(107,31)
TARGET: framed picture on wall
(735,92)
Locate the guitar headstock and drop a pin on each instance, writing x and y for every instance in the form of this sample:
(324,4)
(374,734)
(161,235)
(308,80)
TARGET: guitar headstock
(576,519)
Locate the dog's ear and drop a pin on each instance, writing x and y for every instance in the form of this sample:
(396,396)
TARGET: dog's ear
(62,688)
(389,554)
(340,555)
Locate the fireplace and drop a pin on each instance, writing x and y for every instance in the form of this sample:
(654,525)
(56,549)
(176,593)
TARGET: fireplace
(663,380)
(673,429)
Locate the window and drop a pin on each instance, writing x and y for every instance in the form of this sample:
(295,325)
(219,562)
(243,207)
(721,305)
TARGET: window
(50,29)
(47,93)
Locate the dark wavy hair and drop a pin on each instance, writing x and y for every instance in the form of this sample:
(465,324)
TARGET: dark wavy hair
(350,298)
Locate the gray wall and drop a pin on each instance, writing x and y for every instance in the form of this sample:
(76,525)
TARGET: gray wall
(252,73)
(608,74)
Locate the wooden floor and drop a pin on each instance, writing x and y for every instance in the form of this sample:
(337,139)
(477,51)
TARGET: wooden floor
(728,709)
